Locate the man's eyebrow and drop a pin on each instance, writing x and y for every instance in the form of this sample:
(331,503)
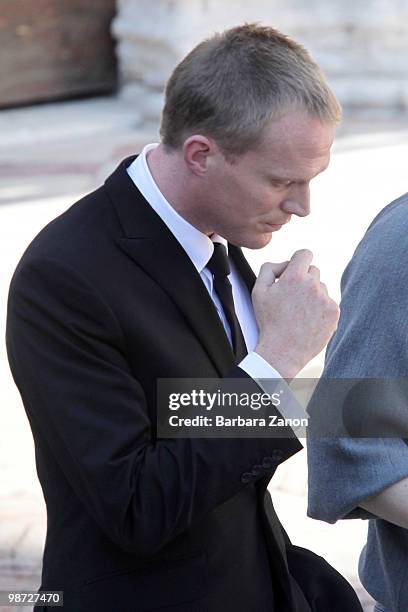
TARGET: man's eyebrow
(287,179)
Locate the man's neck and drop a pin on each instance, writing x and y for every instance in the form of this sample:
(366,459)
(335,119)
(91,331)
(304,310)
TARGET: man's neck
(169,174)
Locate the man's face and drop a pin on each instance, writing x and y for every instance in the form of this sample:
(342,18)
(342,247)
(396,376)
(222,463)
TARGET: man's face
(259,191)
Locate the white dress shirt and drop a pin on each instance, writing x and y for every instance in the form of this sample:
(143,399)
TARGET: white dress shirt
(199,247)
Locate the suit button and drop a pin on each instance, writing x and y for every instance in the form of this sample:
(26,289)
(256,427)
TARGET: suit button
(256,470)
(277,455)
(267,462)
(246,477)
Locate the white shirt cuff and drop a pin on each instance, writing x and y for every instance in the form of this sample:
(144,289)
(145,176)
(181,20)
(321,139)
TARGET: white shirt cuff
(256,366)
(268,379)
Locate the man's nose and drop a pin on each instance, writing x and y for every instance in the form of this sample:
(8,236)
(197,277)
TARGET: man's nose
(298,201)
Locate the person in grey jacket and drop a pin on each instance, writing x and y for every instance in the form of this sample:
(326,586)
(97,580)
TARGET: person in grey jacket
(367,477)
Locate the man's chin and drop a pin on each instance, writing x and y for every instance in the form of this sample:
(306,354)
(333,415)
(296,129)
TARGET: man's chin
(257,242)
(251,241)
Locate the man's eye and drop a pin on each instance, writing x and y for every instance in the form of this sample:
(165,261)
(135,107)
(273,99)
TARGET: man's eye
(281,184)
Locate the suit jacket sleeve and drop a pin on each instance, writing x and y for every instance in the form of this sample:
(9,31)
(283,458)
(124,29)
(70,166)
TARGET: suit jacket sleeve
(68,357)
(371,342)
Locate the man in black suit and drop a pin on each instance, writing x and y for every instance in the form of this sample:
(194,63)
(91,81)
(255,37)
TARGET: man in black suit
(144,279)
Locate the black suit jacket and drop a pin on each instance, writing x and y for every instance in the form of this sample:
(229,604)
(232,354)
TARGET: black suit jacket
(103,303)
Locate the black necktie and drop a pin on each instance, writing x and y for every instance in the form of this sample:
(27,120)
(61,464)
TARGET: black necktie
(220,268)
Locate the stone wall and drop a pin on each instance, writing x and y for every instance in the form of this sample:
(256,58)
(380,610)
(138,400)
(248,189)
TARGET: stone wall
(362,45)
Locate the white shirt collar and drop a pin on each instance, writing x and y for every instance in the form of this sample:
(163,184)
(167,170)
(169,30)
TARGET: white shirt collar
(197,245)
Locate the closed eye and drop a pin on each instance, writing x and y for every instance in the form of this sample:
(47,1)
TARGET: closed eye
(281,184)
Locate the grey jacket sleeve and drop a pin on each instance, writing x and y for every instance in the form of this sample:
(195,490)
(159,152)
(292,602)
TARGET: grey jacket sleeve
(371,342)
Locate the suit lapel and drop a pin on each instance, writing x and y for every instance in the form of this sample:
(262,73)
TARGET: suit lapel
(174,272)
(148,241)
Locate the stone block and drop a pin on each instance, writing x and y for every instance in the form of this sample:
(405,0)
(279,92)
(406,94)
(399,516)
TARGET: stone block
(361,45)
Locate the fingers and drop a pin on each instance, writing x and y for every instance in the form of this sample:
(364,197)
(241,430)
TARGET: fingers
(299,263)
(269,272)
(315,273)
(324,288)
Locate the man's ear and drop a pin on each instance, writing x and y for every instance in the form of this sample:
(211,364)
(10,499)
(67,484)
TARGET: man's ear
(198,153)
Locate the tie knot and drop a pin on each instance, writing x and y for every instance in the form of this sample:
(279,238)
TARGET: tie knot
(219,264)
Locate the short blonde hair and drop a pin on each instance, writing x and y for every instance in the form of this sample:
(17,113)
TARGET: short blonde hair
(232,84)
